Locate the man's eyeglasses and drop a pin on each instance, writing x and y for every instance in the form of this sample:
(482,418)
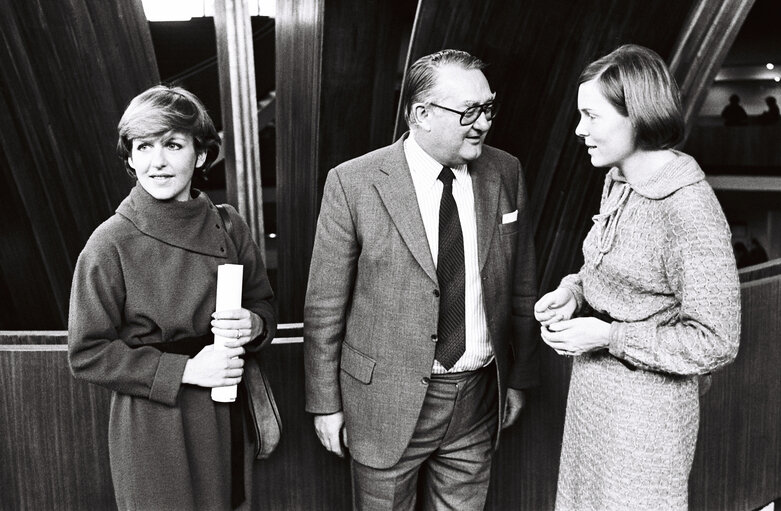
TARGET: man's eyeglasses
(471,114)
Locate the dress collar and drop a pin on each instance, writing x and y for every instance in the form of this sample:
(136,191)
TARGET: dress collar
(681,171)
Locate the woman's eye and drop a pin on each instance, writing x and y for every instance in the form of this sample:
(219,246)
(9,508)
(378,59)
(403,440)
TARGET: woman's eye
(141,147)
(175,146)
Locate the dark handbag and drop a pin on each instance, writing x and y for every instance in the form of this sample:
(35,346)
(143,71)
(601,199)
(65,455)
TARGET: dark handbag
(260,400)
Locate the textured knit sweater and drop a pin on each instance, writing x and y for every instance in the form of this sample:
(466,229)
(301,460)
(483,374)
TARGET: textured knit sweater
(659,261)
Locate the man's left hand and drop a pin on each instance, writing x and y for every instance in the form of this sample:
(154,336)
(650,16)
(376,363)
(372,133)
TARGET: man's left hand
(513,406)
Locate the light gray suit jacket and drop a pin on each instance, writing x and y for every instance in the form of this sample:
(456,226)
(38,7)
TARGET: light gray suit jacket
(372,301)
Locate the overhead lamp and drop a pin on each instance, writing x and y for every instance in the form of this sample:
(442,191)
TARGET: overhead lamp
(171,10)
(769,66)
(777,79)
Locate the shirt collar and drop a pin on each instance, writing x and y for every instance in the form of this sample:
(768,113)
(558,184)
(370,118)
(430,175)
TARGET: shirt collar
(426,168)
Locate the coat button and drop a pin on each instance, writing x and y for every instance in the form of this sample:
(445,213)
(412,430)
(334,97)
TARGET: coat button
(434,337)
(425,380)
(217,226)
(436,293)
(222,249)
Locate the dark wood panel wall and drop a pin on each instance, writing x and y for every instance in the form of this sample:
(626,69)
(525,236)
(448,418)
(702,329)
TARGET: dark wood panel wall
(337,71)
(299,27)
(53,431)
(67,71)
(737,465)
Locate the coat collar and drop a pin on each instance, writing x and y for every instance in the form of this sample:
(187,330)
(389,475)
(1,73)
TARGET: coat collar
(191,225)
(394,184)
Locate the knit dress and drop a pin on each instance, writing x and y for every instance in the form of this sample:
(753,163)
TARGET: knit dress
(659,261)
(147,275)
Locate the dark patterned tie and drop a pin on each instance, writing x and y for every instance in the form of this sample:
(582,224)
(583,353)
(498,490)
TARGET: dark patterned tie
(451,275)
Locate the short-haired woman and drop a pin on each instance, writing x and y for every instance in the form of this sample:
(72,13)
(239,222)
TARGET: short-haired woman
(657,299)
(142,317)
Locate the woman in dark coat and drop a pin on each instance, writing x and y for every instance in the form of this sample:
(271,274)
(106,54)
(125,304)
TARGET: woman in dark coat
(142,317)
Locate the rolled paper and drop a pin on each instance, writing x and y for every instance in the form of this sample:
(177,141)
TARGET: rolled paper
(229,281)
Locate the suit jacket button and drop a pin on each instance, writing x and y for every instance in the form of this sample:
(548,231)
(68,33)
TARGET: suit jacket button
(436,293)
(425,380)
(434,337)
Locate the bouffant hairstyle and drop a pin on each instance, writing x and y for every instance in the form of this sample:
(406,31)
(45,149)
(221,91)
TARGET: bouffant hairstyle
(421,77)
(637,82)
(164,108)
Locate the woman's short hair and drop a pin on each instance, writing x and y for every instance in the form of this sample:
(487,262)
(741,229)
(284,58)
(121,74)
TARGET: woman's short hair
(421,77)
(164,108)
(637,82)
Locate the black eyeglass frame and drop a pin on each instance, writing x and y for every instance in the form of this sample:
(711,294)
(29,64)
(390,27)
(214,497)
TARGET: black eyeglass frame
(489,108)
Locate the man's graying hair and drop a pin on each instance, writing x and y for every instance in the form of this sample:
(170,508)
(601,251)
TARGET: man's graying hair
(421,76)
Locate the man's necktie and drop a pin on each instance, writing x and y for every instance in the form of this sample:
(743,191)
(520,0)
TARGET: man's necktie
(451,274)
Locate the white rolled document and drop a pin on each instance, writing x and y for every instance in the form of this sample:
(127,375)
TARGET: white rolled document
(229,281)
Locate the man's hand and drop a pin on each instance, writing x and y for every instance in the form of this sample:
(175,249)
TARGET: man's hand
(331,432)
(513,406)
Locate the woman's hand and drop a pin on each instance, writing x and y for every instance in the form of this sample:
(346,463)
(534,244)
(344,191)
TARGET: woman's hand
(558,305)
(577,336)
(215,368)
(238,326)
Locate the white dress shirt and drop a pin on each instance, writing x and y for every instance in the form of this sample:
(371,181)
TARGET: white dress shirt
(428,189)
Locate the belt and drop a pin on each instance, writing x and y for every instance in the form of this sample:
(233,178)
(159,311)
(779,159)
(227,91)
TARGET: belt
(191,346)
(459,376)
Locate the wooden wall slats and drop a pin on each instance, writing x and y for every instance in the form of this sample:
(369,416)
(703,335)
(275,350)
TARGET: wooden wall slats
(67,71)
(337,69)
(54,436)
(737,464)
(235,56)
(299,28)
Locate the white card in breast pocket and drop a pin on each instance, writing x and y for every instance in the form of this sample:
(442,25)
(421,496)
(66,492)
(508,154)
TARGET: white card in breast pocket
(510,217)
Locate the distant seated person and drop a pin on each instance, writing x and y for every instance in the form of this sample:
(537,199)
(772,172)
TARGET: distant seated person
(756,254)
(770,116)
(733,114)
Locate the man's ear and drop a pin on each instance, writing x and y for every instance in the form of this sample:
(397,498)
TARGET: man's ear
(199,161)
(421,115)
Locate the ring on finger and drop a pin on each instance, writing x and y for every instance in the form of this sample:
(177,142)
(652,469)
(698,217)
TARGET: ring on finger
(238,334)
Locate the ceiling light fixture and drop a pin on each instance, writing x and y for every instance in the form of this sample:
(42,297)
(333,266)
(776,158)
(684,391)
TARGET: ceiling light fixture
(770,66)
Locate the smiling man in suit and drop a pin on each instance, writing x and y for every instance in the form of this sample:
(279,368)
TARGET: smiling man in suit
(418,325)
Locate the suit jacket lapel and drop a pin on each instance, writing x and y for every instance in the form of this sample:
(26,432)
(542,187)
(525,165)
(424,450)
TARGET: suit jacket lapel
(394,184)
(486,186)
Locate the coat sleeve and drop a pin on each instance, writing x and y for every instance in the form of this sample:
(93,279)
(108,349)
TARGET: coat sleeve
(331,276)
(700,268)
(257,295)
(525,339)
(96,353)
